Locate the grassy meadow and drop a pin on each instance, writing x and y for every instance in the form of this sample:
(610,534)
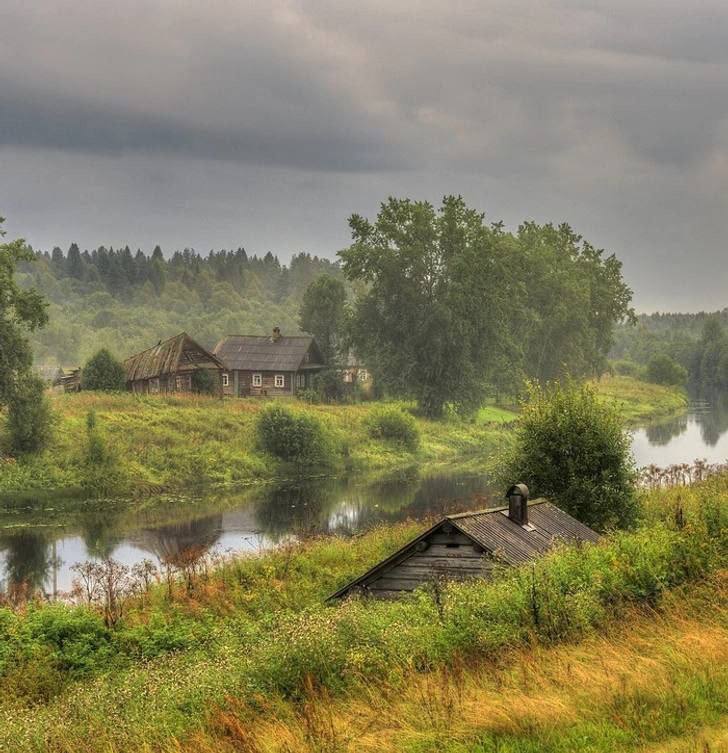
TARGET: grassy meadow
(612,646)
(166,443)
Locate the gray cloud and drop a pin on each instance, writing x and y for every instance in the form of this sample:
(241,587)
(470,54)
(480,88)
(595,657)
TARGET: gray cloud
(267,123)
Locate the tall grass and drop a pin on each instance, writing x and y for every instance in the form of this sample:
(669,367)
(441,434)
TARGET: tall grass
(258,630)
(172,442)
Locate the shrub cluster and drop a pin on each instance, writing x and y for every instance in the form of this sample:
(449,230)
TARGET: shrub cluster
(395,425)
(103,372)
(293,437)
(573,449)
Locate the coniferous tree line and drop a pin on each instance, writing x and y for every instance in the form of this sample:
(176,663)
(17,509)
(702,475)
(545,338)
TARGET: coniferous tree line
(126,300)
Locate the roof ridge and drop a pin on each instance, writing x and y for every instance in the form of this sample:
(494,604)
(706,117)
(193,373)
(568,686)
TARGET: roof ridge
(490,510)
(158,345)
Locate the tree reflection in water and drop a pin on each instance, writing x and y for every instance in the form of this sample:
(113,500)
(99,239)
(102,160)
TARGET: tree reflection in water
(28,561)
(340,506)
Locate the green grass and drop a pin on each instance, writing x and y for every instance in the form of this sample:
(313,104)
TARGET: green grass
(255,634)
(171,443)
(174,442)
(639,401)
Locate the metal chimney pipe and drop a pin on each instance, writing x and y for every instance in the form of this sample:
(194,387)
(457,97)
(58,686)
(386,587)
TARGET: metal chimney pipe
(517,497)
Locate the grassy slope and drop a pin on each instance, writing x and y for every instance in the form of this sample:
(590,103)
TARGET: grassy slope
(167,443)
(654,679)
(253,633)
(173,442)
(641,401)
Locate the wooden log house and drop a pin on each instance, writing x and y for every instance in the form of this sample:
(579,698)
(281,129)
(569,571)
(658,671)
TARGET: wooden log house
(274,365)
(471,544)
(169,367)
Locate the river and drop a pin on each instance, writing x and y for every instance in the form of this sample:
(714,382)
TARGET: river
(40,544)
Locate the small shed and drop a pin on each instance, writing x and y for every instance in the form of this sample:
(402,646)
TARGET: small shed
(169,366)
(471,544)
(272,365)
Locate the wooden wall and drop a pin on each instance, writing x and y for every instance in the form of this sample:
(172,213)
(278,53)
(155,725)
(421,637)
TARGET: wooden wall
(450,556)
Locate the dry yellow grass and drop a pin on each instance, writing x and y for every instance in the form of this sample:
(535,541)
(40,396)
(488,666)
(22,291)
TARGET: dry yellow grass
(530,696)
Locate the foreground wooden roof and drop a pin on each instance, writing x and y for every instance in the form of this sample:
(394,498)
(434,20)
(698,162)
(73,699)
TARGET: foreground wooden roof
(179,353)
(494,534)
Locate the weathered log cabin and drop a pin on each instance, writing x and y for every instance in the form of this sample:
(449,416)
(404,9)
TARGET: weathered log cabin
(170,367)
(273,365)
(471,544)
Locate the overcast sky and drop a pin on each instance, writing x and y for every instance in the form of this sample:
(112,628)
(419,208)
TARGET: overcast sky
(266,123)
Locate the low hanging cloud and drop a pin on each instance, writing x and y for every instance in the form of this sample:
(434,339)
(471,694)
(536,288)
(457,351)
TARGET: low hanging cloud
(268,122)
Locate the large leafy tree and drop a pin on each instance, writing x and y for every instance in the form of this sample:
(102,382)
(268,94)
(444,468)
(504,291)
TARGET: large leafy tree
(574,296)
(21,311)
(323,314)
(435,317)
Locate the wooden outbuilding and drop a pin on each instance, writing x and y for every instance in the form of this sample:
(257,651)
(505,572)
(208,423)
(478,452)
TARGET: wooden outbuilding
(471,544)
(272,365)
(170,367)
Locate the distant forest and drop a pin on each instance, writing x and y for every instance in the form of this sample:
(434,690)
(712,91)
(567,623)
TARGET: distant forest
(697,342)
(126,301)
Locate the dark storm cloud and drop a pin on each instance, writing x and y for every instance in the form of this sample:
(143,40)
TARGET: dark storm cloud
(271,121)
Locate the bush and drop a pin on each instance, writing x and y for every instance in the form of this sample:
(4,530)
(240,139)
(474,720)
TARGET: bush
(293,438)
(573,449)
(663,370)
(30,420)
(103,372)
(205,382)
(395,425)
(626,368)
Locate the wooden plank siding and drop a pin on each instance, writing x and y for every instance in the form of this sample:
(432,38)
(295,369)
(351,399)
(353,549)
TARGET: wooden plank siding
(470,545)
(240,383)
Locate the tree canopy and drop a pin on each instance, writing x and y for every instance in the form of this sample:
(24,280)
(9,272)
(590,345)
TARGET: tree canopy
(21,311)
(453,306)
(323,313)
(103,372)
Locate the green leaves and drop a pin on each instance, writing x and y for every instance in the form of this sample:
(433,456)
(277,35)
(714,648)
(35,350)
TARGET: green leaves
(453,307)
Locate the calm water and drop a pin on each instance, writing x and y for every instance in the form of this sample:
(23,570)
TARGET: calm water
(39,544)
(701,433)
(253,520)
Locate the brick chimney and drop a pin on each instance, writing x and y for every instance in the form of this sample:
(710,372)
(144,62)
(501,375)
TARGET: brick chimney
(276,334)
(517,497)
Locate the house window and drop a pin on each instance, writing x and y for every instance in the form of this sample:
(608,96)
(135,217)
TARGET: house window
(178,384)
(300,379)
(280,380)
(225,380)
(257,380)
(363,375)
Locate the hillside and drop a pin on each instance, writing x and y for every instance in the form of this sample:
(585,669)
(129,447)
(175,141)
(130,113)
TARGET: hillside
(609,646)
(164,443)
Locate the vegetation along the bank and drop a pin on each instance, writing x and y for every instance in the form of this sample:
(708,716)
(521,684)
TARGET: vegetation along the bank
(136,445)
(164,662)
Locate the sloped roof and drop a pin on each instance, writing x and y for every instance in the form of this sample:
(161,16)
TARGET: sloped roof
(167,357)
(263,353)
(498,535)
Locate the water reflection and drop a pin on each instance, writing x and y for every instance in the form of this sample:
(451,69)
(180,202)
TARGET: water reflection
(701,433)
(183,531)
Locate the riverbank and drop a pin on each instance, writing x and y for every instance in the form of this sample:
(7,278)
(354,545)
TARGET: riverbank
(641,402)
(177,442)
(165,443)
(223,654)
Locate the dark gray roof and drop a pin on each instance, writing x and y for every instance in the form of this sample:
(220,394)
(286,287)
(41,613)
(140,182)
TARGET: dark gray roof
(498,536)
(263,353)
(514,543)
